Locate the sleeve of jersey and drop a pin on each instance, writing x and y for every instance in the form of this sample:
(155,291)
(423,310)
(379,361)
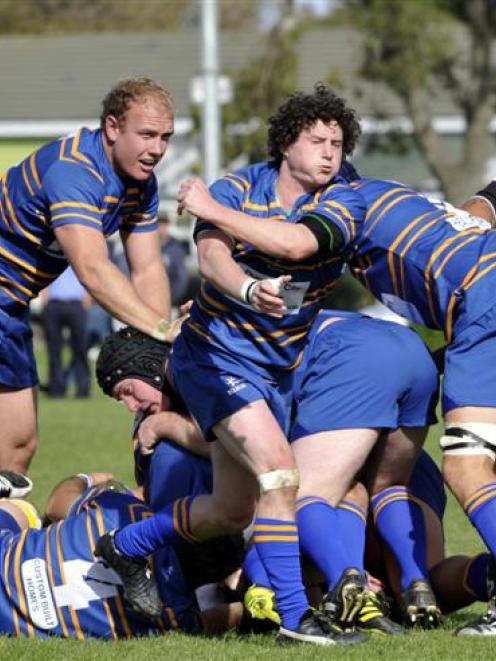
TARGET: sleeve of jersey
(74,196)
(336,217)
(144,219)
(226,193)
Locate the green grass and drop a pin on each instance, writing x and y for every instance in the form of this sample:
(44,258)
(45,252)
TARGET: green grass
(84,435)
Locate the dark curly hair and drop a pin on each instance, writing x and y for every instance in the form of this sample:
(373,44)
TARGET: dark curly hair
(120,97)
(302,110)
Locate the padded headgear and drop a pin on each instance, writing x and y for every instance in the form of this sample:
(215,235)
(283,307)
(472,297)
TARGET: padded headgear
(129,354)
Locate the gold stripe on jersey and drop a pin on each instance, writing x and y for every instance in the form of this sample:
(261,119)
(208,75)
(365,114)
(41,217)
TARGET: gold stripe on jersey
(3,214)
(31,269)
(12,215)
(257,206)
(60,558)
(467,282)
(34,169)
(13,296)
(26,178)
(288,266)
(111,199)
(81,157)
(132,191)
(434,276)
(237,181)
(51,580)
(118,600)
(8,589)
(7,282)
(383,211)
(78,205)
(106,606)
(198,329)
(19,586)
(407,247)
(266,336)
(391,254)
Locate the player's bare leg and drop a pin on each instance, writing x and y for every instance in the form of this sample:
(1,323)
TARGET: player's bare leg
(18,424)
(469,451)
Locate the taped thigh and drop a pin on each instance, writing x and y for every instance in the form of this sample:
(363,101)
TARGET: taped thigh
(469,439)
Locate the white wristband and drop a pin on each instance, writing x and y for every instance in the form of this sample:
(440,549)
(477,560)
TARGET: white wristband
(244,289)
(86,478)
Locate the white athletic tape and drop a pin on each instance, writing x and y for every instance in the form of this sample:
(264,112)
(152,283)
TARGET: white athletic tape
(279,479)
(469,439)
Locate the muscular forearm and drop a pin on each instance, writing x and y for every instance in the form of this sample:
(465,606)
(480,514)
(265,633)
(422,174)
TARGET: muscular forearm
(116,294)
(272,237)
(153,288)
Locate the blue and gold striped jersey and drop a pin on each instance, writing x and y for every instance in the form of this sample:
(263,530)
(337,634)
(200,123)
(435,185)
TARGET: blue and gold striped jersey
(234,326)
(52,585)
(428,261)
(68,181)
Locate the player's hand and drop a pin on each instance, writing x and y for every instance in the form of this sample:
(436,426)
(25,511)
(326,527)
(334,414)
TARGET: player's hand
(185,308)
(266,296)
(147,434)
(193,196)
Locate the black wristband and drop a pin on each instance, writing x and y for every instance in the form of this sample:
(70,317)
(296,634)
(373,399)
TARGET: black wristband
(249,290)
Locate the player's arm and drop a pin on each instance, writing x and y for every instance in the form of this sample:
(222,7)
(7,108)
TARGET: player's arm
(294,242)
(483,203)
(218,267)
(147,271)
(66,492)
(86,250)
(174,427)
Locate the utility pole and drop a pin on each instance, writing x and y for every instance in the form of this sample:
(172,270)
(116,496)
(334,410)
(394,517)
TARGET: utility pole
(211,129)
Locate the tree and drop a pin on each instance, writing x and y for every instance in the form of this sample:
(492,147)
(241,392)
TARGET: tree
(260,87)
(420,47)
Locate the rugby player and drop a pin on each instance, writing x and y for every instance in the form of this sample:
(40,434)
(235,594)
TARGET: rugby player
(434,265)
(233,365)
(51,583)
(57,207)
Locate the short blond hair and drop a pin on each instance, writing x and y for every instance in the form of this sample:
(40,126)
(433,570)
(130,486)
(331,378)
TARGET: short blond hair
(131,90)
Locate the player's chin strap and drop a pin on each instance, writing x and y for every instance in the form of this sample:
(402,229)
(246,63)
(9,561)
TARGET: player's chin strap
(278,479)
(469,438)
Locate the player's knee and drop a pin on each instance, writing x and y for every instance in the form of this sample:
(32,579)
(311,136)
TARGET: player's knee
(234,517)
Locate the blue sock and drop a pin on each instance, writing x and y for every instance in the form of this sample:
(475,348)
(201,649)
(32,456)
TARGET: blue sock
(475,579)
(138,540)
(277,545)
(253,568)
(400,522)
(320,537)
(481,510)
(352,521)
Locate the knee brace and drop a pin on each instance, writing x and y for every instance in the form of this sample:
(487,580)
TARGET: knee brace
(469,439)
(278,479)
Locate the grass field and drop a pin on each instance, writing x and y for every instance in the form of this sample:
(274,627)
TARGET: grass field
(86,435)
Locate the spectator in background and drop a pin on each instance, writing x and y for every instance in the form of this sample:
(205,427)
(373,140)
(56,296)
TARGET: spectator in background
(66,307)
(174,259)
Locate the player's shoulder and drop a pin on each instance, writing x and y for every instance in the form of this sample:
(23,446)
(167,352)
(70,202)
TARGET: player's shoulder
(248,177)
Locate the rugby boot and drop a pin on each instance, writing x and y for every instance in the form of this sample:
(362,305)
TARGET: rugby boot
(317,629)
(140,589)
(486,624)
(261,604)
(373,617)
(418,606)
(343,603)
(14,485)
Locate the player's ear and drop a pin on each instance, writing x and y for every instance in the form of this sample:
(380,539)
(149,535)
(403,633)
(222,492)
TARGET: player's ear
(111,127)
